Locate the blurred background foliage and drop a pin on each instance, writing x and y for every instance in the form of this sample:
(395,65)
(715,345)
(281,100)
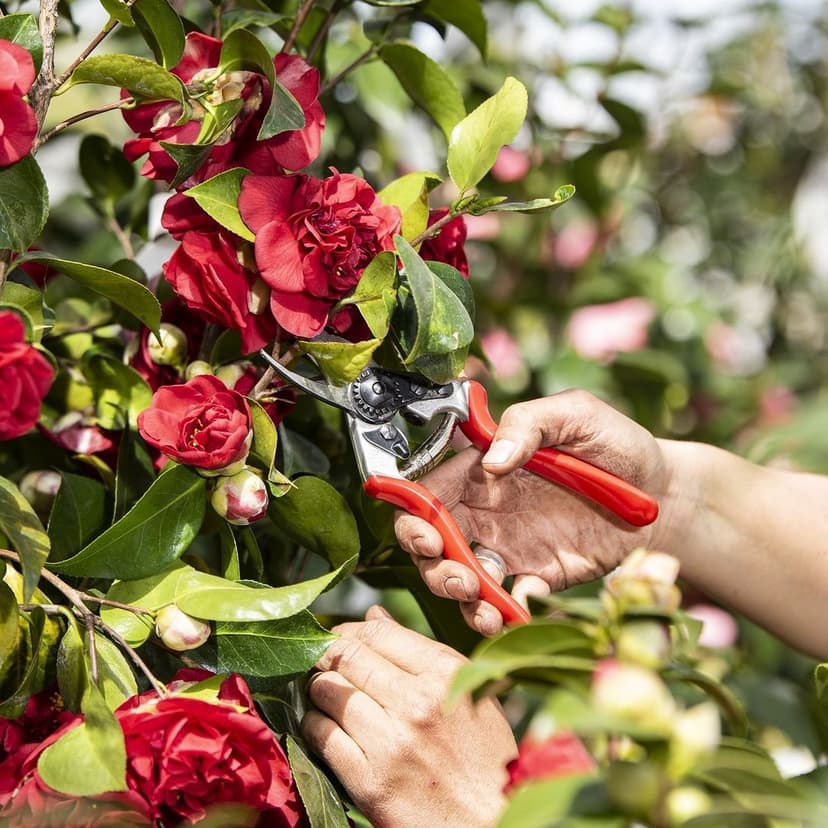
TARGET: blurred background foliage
(687,281)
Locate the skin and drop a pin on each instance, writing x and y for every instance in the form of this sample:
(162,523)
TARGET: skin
(380,722)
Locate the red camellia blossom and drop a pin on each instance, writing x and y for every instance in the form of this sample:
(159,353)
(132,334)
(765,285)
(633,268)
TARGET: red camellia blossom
(200,423)
(448,245)
(314,238)
(25,377)
(562,754)
(18,125)
(206,272)
(198,68)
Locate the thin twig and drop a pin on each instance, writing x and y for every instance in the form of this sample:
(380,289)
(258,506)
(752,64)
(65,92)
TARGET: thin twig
(82,116)
(41,92)
(322,32)
(267,377)
(370,54)
(89,623)
(90,47)
(122,236)
(159,688)
(432,230)
(301,16)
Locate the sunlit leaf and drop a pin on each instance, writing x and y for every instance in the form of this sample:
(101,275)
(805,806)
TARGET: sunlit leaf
(322,803)
(24,204)
(20,524)
(219,198)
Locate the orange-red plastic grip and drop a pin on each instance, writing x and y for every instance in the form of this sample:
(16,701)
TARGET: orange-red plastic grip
(620,497)
(418,501)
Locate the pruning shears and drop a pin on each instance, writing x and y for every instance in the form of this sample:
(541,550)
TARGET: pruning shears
(389,468)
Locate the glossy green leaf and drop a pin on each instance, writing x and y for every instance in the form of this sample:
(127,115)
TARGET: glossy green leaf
(30,301)
(105,170)
(248,19)
(336,538)
(14,704)
(243,50)
(25,533)
(284,647)
(229,551)
(319,796)
(162,30)
(457,283)
(9,631)
(78,515)
(376,293)
(72,675)
(466,15)
(536,205)
(188,158)
(546,803)
(217,599)
(427,84)
(151,535)
(143,78)
(126,293)
(300,455)
(118,10)
(219,198)
(265,436)
(22,29)
(340,361)
(121,393)
(477,139)
(116,679)
(135,472)
(90,758)
(410,193)
(444,329)
(24,204)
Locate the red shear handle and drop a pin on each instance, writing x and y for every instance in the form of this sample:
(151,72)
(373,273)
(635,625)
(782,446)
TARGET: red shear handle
(417,500)
(620,497)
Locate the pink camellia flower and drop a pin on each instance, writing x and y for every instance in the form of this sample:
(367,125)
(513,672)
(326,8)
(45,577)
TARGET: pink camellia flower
(198,68)
(25,377)
(575,242)
(503,353)
(240,499)
(719,627)
(207,274)
(510,165)
(18,124)
(448,245)
(201,423)
(561,754)
(314,239)
(180,631)
(632,692)
(599,332)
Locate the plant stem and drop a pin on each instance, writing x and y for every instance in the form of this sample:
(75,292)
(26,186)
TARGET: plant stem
(321,34)
(89,623)
(89,113)
(267,377)
(159,688)
(90,47)
(431,231)
(301,16)
(41,92)
(370,54)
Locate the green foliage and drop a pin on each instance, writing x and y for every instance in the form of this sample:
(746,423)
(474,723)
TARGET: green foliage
(24,204)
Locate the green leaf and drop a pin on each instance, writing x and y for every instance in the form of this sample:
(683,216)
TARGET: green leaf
(410,194)
(126,293)
(72,675)
(336,538)
(376,293)
(9,631)
(118,10)
(283,647)
(22,29)
(457,283)
(243,50)
(24,204)
(319,796)
(162,30)
(217,599)
(151,535)
(426,83)
(116,679)
(188,158)
(229,550)
(548,802)
(25,532)
(105,170)
(265,436)
(219,198)
(30,301)
(340,361)
(121,393)
(14,704)
(443,329)
(78,515)
(143,78)
(536,205)
(477,139)
(135,472)
(249,19)
(466,15)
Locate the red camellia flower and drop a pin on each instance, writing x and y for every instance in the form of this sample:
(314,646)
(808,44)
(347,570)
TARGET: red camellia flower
(206,272)
(562,754)
(448,245)
(238,147)
(314,238)
(18,125)
(200,423)
(25,377)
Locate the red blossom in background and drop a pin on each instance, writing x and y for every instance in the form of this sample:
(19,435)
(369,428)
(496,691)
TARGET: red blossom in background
(314,238)
(448,245)
(238,147)
(25,377)
(562,754)
(18,125)
(201,423)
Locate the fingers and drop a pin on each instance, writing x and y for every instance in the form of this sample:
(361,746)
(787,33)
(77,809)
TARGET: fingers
(529,586)
(482,617)
(449,579)
(353,710)
(328,740)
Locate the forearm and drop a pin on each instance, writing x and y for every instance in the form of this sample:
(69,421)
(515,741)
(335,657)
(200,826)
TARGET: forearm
(754,538)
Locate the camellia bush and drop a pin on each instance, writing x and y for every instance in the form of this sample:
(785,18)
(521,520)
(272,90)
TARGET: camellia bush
(180,529)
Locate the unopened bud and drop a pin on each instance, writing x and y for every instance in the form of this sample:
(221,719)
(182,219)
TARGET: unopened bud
(197,368)
(180,631)
(170,347)
(40,488)
(231,373)
(634,693)
(634,787)
(645,579)
(240,499)
(644,642)
(696,731)
(685,803)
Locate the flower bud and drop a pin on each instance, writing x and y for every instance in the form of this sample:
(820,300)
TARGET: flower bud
(634,693)
(197,368)
(634,787)
(180,631)
(170,348)
(645,579)
(685,803)
(40,488)
(696,731)
(231,373)
(644,642)
(241,498)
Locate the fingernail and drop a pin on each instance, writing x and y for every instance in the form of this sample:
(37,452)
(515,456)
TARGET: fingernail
(457,589)
(420,547)
(376,609)
(499,452)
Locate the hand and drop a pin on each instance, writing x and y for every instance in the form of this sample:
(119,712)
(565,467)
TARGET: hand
(548,537)
(381,725)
